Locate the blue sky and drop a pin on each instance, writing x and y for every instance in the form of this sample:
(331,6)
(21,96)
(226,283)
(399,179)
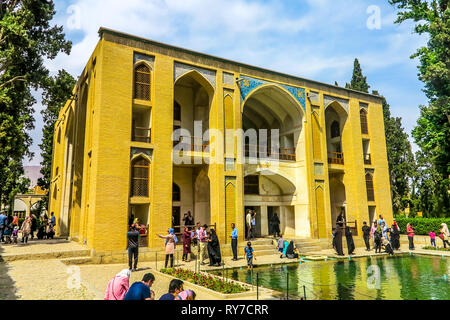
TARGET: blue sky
(315,39)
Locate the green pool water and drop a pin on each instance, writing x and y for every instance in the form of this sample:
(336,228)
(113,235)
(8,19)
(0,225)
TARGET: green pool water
(400,278)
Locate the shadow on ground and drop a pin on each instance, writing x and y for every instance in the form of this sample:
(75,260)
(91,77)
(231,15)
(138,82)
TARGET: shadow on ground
(8,289)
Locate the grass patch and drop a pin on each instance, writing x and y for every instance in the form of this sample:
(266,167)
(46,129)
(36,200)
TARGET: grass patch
(207,281)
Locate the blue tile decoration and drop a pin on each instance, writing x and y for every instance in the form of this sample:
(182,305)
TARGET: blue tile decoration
(248,84)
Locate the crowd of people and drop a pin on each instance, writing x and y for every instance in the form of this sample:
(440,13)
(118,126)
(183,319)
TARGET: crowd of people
(119,288)
(11,228)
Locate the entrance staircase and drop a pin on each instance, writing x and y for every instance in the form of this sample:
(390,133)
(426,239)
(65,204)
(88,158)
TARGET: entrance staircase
(267,246)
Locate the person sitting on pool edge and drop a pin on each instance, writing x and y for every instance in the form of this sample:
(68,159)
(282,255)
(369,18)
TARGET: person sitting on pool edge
(387,246)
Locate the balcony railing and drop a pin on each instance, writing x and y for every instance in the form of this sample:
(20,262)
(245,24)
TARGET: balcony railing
(142,134)
(367,158)
(195,145)
(335,158)
(287,154)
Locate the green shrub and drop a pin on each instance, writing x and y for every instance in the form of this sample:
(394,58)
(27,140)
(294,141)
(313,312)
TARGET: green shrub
(422,226)
(207,281)
(433,248)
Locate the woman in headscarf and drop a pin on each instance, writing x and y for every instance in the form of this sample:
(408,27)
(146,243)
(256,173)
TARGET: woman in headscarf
(349,238)
(444,234)
(33,225)
(118,286)
(410,232)
(186,295)
(290,251)
(338,234)
(170,243)
(275,223)
(26,229)
(186,244)
(395,237)
(215,258)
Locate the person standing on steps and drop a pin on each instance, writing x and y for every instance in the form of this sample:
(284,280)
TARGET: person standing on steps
(234,240)
(133,247)
(248,222)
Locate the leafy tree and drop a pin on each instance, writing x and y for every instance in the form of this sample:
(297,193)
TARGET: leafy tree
(57,91)
(26,39)
(432,133)
(358,82)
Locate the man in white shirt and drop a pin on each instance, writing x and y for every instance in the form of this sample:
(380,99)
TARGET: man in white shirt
(248,220)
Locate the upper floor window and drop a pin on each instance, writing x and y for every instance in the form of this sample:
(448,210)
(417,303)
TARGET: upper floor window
(140,173)
(364,126)
(369,187)
(142,81)
(251,185)
(335,130)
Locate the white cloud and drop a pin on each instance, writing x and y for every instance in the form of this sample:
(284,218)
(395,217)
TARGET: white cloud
(316,39)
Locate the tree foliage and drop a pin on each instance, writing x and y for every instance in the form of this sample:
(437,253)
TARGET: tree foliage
(57,91)
(26,39)
(359,82)
(432,133)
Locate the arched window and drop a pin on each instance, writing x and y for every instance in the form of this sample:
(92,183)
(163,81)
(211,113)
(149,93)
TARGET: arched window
(335,129)
(176,111)
(140,173)
(176,193)
(364,125)
(369,187)
(142,82)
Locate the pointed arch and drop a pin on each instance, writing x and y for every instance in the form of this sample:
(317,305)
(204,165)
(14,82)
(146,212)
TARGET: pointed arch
(200,79)
(369,187)
(364,122)
(142,81)
(140,176)
(176,192)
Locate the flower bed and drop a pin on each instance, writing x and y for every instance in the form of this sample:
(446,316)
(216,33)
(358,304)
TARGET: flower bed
(207,281)
(436,249)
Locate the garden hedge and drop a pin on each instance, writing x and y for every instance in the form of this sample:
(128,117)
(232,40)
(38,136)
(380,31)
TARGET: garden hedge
(422,226)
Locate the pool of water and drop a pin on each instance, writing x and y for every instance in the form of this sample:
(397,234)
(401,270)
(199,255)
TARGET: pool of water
(383,278)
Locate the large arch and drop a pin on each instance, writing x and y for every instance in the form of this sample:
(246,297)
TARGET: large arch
(272,107)
(275,193)
(337,198)
(194,94)
(335,118)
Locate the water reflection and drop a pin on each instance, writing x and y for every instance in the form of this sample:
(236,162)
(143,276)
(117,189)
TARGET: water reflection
(407,278)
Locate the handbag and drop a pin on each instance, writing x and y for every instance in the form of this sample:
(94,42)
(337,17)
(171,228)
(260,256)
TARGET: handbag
(442,236)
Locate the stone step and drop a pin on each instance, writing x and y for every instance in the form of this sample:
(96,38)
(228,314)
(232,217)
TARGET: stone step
(46,255)
(77,260)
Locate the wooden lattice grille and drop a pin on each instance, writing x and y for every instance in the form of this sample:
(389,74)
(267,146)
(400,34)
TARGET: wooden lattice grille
(142,82)
(364,125)
(140,178)
(251,185)
(369,187)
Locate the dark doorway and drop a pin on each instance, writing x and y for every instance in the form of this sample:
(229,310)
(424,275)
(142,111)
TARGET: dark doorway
(176,211)
(257,227)
(270,213)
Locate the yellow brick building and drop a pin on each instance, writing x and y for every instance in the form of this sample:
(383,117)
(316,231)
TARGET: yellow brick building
(114,148)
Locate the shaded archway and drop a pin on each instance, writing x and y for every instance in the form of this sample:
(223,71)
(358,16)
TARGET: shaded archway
(267,192)
(337,198)
(193,95)
(270,107)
